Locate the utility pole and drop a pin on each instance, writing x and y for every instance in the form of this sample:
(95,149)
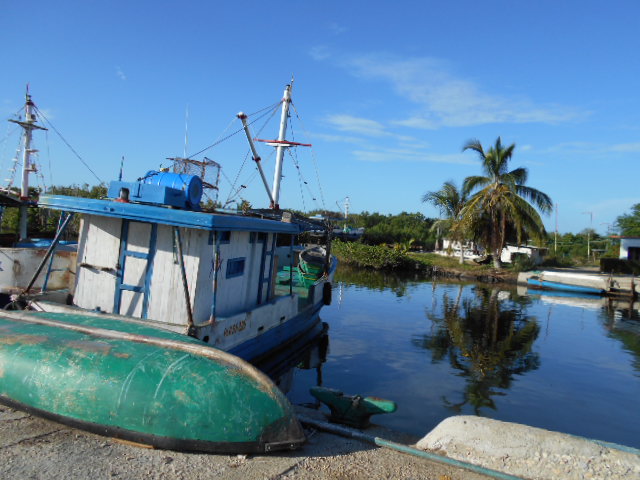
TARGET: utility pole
(555,235)
(589,232)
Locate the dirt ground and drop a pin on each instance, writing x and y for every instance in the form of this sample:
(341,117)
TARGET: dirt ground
(33,448)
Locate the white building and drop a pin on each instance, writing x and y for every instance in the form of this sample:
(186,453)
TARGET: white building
(629,248)
(508,255)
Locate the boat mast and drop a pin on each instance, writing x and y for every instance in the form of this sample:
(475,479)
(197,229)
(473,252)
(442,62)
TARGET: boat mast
(27,167)
(256,157)
(281,146)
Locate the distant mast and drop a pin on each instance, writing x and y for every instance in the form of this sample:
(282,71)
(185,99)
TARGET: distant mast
(27,167)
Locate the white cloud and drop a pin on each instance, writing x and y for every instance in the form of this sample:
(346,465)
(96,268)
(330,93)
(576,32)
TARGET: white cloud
(626,147)
(362,126)
(120,73)
(338,138)
(320,53)
(446,99)
(337,29)
(417,122)
(410,155)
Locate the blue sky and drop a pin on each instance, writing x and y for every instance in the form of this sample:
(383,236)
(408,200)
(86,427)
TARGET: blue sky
(387,93)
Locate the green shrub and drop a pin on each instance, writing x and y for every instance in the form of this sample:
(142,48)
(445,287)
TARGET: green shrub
(369,256)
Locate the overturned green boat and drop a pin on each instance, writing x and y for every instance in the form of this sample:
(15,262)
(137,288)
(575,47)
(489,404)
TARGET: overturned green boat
(140,383)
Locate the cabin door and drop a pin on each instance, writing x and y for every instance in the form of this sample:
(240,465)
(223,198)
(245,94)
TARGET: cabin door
(137,249)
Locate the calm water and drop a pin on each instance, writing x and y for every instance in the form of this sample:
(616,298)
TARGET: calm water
(441,348)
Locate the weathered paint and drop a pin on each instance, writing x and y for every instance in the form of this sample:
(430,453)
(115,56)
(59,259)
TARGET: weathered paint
(18,264)
(140,383)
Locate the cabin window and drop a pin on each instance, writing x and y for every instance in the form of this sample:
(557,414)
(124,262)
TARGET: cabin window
(235,267)
(252,237)
(262,237)
(224,237)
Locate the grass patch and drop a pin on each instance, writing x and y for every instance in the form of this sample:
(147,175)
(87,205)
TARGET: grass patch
(449,263)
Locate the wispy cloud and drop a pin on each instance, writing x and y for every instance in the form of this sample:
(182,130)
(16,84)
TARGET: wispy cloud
(444,98)
(626,147)
(320,53)
(338,138)
(410,155)
(362,126)
(120,73)
(337,29)
(590,149)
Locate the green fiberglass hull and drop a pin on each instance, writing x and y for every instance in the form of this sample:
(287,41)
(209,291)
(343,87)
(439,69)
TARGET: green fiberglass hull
(142,384)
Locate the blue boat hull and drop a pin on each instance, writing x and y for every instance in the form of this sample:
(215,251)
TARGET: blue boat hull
(547,285)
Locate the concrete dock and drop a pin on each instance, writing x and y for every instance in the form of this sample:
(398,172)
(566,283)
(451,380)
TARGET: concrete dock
(611,284)
(33,448)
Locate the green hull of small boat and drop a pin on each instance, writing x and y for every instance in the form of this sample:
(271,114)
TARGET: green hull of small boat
(141,384)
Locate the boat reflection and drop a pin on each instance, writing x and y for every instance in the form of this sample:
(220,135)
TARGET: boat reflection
(620,316)
(306,353)
(487,337)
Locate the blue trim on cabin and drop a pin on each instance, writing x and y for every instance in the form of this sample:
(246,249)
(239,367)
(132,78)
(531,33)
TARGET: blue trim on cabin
(124,234)
(124,253)
(216,270)
(270,276)
(149,274)
(140,255)
(263,258)
(166,216)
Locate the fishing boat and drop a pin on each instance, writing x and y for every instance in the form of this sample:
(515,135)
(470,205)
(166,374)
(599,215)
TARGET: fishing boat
(208,292)
(19,254)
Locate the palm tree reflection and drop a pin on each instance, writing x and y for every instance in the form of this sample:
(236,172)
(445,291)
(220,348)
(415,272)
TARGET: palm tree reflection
(486,339)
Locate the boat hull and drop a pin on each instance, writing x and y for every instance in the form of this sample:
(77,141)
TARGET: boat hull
(141,384)
(547,285)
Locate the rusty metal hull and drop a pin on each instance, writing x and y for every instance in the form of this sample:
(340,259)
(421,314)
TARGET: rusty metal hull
(141,384)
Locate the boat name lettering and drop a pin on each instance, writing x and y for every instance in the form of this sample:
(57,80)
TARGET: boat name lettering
(235,328)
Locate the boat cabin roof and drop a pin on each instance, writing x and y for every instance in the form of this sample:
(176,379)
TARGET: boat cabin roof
(167,216)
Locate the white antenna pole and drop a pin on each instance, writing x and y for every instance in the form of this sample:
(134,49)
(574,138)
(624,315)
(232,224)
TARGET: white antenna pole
(186,131)
(280,148)
(555,235)
(589,232)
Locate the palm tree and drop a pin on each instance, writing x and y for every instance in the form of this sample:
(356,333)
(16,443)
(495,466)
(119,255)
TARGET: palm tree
(450,201)
(502,197)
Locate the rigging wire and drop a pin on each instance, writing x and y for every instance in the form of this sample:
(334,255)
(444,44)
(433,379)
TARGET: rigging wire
(274,110)
(67,144)
(313,156)
(302,179)
(234,133)
(46,136)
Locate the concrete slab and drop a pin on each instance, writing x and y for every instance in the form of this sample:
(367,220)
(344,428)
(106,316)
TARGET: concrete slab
(529,452)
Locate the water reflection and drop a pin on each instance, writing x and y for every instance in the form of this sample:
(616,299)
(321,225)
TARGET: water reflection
(398,283)
(487,337)
(621,318)
(309,352)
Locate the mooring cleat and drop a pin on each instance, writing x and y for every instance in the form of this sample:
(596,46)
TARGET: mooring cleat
(352,410)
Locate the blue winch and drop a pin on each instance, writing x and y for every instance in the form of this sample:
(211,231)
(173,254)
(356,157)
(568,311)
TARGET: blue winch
(160,188)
